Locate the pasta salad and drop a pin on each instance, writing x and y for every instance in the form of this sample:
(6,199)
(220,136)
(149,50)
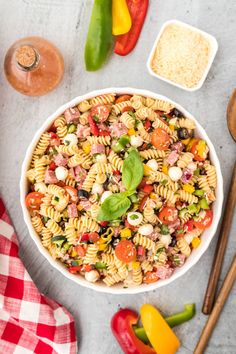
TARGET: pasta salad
(121,189)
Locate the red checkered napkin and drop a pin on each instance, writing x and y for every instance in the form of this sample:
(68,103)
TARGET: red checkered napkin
(29,321)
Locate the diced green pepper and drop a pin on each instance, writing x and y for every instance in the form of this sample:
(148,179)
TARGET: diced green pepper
(193,209)
(165,230)
(124,140)
(197,172)
(182,212)
(66,246)
(203,204)
(117,147)
(115,222)
(199,192)
(58,240)
(71,128)
(100,265)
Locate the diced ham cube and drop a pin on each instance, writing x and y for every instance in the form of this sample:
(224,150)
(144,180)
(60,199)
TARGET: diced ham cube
(86,204)
(82,131)
(178,147)
(72,210)
(50,177)
(172,158)
(60,160)
(97,149)
(80,174)
(163,272)
(118,129)
(72,115)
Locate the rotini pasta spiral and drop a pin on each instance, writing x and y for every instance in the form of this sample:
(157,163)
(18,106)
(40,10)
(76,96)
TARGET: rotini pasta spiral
(159,105)
(116,161)
(127,120)
(185,159)
(149,215)
(118,107)
(112,279)
(50,212)
(105,140)
(166,193)
(187,197)
(60,124)
(84,106)
(91,254)
(103,99)
(183,246)
(137,276)
(152,154)
(42,144)
(145,112)
(143,133)
(144,241)
(69,150)
(54,227)
(37,223)
(160,124)
(211,175)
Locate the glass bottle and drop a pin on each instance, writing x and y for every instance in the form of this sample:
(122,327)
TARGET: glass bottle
(33,66)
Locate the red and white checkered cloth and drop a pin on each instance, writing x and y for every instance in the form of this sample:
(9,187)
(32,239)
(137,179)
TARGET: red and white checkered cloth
(29,321)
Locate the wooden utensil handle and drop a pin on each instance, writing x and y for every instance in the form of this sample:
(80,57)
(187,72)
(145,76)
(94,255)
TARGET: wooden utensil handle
(221,246)
(212,319)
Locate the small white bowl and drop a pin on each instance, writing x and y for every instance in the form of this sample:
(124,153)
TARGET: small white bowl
(118,289)
(213,44)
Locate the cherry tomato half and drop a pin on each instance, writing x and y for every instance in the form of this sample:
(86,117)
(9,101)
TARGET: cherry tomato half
(150,277)
(80,250)
(94,237)
(189,225)
(168,215)
(101,111)
(125,251)
(123,98)
(33,200)
(198,148)
(73,193)
(160,139)
(205,222)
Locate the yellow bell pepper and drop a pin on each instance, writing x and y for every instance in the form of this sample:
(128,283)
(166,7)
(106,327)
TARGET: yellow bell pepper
(188,188)
(160,335)
(86,146)
(196,242)
(121,19)
(125,233)
(131,131)
(73,253)
(165,169)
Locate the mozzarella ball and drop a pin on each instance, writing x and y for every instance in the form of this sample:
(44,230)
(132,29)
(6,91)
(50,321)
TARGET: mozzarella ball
(71,139)
(153,164)
(40,187)
(166,240)
(146,229)
(61,173)
(175,173)
(134,218)
(97,188)
(136,141)
(101,158)
(105,195)
(92,276)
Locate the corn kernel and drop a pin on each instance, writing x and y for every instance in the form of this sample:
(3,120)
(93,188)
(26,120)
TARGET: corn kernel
(86,147)
(172,127)
(185,141)
(165,169)
(126,233)
(131,132)
(196,242)
(188,188)
(135,265)
(147,170)
(73,253)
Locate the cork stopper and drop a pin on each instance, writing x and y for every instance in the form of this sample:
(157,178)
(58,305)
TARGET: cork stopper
(26,56)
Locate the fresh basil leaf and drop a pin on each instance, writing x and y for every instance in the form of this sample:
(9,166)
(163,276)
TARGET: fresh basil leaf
(114,207)
(132,172)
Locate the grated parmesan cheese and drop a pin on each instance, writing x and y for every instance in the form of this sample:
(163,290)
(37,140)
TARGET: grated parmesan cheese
(181,55)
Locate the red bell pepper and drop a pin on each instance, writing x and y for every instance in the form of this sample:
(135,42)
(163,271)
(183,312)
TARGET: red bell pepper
(93,126)
(121,325)
(125,43)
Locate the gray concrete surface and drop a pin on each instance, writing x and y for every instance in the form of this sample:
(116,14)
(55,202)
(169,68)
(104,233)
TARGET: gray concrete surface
(65,23)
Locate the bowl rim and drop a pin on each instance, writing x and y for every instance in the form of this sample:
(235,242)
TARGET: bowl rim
(214,48)
(57,264)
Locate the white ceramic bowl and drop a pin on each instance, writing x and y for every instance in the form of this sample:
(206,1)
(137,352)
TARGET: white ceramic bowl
(213,50)
(118,289)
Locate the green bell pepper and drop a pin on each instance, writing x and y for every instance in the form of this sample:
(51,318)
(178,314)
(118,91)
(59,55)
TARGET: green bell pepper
(203,204)
(99,37)
(175,320)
